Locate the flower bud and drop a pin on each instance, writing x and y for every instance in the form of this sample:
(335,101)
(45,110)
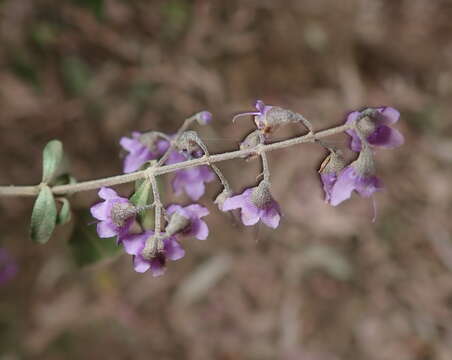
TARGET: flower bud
(204,117)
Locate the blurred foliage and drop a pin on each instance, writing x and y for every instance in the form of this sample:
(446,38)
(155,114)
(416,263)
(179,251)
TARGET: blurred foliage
(87,248)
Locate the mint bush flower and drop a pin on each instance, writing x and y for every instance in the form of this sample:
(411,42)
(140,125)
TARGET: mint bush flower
(142,148)
(374,124)
(134,244)
(259,115)
(359,176)
(191,180)
(255,204)
(329,171)
(187,221)
(115,214)
(8,267)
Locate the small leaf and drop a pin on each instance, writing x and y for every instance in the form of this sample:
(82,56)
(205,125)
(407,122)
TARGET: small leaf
(52,158)
(87,248)
(44,215)
(142,194)
(64,216)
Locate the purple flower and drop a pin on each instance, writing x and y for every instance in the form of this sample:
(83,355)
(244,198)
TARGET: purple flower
(187,221)
(142,148)
(8,267)
(350,179)
(259,115)
(374,126)
(191,180)
(328,181)
(134,244)
(255,204)
(329,170)
(359,176)
(115,214)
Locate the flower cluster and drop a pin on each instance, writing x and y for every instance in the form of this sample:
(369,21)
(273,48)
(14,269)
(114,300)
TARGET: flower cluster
(151,248)
(116,216)
(368,128)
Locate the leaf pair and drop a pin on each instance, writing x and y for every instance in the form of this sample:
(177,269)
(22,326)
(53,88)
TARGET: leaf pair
(45,216)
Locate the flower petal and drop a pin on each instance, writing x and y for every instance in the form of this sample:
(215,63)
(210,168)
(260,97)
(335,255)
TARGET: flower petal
(140,264)
(250,215)
(234,202)
(271,217)
(173,208)
(134,243)
(351,117)
(197,210)
(131,145)
(102,210)
(195,190)
(386,137)
(199,229)
(106,229)
(107,193)
(390,114)
(366,186)
(355,142)
(173,250)
(157,268)
(345,184)
(328,180)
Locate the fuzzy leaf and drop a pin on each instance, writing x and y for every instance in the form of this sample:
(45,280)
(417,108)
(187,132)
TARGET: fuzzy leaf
(142,194)
(52,158)
(64,216)
(43,218)
(87,248)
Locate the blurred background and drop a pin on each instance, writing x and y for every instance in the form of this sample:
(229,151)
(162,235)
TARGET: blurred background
(328,284)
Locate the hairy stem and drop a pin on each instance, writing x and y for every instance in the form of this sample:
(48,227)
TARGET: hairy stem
(158,205)
(160,170)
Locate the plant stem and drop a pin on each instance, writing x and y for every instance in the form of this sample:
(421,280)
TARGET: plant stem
(160,170)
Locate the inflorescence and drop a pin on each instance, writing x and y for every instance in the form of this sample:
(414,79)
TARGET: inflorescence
(153,153)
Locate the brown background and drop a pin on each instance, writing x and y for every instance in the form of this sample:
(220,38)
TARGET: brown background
(327,284)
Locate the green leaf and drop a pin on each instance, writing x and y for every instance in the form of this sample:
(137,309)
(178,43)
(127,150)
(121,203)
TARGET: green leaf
(142,194)
(87,248)
(44,215)
(64,216)
(52,158)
